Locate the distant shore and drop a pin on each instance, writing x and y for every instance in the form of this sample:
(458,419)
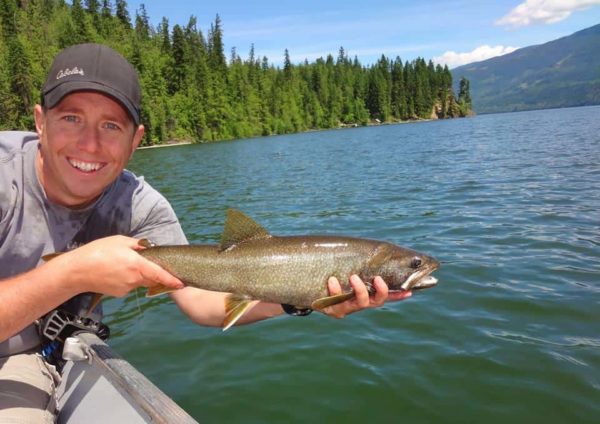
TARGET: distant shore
(341,127)
(169,144)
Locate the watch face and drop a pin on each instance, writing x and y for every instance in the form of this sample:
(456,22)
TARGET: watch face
(292,310)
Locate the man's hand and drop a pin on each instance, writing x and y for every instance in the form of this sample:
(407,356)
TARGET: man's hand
(362,299)
(112,266)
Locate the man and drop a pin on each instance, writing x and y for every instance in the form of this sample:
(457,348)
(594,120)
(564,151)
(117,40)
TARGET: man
(64,188)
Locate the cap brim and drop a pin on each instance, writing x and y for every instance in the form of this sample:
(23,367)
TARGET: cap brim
(54,96)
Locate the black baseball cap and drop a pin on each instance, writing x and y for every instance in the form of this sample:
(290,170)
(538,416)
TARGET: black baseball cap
(93,67)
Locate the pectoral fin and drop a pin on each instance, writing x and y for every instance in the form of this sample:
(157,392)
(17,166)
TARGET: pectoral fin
(158,290)
(324,302)
(235,307)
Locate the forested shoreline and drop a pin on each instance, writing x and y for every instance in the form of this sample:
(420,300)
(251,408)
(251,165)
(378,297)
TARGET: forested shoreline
(193,91)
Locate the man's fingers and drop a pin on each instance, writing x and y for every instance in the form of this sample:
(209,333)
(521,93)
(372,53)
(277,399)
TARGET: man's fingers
(360,291)
(153,274)
(362,299)
(399,295)
(381,292)
(334,286)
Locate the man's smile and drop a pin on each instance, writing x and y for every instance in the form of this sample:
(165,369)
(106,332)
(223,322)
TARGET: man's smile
(87,167)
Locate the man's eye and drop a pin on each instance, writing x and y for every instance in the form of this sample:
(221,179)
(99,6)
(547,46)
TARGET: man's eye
(70,118)
(111,126)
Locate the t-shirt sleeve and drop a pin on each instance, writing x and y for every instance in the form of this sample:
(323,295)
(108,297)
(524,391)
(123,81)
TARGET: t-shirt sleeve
(153,218)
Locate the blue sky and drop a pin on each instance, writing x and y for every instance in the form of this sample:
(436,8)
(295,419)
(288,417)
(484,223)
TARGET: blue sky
(451,32)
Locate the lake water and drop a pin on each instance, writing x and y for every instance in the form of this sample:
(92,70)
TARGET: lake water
(509,203)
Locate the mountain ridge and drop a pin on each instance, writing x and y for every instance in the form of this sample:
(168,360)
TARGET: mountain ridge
(560,73)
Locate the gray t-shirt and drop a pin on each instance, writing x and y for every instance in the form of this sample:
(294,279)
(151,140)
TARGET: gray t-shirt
(32,226)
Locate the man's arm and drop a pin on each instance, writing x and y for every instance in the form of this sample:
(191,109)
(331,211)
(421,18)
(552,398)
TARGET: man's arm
(208,308)
(28,296)
(109,266)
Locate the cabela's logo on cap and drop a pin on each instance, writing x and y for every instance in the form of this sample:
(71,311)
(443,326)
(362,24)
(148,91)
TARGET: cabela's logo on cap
(66,72)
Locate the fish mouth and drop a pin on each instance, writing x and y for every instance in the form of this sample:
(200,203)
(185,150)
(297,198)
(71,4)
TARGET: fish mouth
(421,279)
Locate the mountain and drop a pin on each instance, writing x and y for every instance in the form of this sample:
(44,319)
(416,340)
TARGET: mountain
(561,73)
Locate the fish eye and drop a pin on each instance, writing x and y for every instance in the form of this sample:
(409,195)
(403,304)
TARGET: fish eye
(415,262)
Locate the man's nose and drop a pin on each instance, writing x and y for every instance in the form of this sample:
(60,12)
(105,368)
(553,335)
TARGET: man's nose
(89,139)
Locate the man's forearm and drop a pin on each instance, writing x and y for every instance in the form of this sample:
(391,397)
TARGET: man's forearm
(108,266)
(28,296)
(208,308)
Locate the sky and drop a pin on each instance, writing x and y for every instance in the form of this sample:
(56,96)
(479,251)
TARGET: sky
(451,32)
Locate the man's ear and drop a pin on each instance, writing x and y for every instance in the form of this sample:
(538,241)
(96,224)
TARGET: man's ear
(137,138)
(38,115)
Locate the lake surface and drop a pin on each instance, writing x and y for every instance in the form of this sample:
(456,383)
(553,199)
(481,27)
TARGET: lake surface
(509,203)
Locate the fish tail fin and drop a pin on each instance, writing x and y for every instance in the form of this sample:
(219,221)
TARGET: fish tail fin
(235,307)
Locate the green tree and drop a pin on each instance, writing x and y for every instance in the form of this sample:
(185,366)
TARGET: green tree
(378,99)
(122,14)
(106,18)
(92,7)
(17,77)
(178,71)
(464,97)
(216,52)
(142,24)
(165,36)
(80,27)
(398,95)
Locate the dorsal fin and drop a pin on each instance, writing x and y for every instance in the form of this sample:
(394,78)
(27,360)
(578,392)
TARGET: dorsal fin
(240,228)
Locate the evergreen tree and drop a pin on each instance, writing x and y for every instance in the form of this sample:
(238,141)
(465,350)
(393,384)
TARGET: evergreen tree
(165,36)
(106,12)
(17,100)
(81,31)
(92,7)
(464,97)
(216,52)
(410,85)
(287,65)
(379,90)
(106,18)
(398,95)
(177,70)
(142,24)
(423,102)
(122,14)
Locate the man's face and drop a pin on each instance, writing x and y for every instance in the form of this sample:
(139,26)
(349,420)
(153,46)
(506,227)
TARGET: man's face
(86,141)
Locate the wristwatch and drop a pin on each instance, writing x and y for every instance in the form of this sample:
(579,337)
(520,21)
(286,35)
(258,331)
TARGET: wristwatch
(292,310)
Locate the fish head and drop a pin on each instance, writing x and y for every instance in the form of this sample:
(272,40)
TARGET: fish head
(405,269)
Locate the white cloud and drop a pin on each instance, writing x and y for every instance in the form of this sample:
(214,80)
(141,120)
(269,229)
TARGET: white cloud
(544,11)
(454,59)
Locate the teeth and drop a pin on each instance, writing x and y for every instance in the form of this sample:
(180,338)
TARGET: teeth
(85,166)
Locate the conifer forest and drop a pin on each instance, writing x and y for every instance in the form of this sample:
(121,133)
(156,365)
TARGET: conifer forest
(193,90)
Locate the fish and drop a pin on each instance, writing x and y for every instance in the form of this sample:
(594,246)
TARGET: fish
(251,265)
